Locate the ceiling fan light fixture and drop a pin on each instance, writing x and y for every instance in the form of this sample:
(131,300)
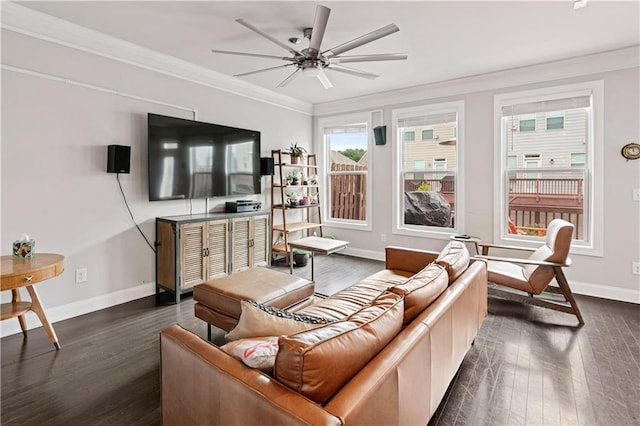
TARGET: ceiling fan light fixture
(311,72)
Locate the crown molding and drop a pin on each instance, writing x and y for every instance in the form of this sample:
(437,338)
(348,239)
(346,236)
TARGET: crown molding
(624,58)
(45,27)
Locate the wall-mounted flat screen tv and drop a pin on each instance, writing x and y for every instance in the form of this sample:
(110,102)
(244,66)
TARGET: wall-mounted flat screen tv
(190,159)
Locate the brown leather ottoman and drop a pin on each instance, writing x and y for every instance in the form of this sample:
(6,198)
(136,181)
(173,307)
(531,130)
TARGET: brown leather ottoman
(218,301)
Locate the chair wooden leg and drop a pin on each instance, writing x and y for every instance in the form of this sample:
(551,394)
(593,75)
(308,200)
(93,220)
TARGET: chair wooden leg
(566,291)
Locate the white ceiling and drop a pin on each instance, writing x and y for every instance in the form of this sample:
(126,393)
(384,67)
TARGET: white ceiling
(445,40)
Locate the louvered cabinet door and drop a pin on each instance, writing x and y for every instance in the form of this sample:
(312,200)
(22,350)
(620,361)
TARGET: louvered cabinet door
(260,236)
(192,250)
(240,239)
(218,253)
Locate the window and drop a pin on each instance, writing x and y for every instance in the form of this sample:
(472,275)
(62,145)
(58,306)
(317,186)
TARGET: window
(427,134)
(527,123)
(555,120)
(561,173)
(439,185)
(346,144)
(419,165)
(577,159)
(409,135)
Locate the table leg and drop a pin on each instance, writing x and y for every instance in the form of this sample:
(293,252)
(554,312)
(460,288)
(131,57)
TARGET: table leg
(15,298)
(38,309)
(312,257)
(291,261)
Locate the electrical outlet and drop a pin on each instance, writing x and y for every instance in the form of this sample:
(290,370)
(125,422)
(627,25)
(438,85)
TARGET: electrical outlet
(636,194)
(635,268)
(81,275)
(383,238)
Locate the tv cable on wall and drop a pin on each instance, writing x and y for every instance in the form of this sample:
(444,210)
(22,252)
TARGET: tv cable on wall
(118,161)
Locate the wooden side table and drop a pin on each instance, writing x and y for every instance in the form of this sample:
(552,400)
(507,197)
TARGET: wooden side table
(18,273)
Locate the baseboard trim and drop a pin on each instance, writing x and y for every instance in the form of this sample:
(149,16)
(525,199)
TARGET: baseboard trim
(366,254)
(71,310)
(605,292)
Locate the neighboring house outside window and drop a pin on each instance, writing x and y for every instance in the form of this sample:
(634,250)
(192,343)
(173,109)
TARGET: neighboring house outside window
(428,170)
(560,175)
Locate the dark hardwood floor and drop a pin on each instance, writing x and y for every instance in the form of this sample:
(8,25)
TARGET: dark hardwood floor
(528,365)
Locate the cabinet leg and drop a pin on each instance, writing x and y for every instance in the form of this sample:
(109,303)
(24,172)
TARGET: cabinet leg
(38,309)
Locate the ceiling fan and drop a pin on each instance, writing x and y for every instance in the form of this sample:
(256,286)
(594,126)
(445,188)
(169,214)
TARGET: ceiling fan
(312,61)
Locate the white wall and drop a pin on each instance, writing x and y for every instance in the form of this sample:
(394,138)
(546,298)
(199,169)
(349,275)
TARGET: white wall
(54,152)
(607,276)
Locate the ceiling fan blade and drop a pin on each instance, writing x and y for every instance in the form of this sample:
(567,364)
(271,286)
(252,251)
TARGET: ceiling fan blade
(261,70)
(369,58)
(288,79)
(351,71)
(324,79)
(367,38)
(317,32)
(267,36)
(257,55)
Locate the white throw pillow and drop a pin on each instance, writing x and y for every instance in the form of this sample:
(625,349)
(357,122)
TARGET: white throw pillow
(257,352)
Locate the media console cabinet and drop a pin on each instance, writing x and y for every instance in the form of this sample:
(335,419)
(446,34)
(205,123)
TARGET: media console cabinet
(192,249)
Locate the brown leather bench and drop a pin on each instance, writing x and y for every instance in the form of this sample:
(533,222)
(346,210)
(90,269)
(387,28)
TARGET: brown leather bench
(218,301)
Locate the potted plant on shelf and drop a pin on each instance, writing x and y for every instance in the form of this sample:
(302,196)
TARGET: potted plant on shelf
(292,178)
(296,153)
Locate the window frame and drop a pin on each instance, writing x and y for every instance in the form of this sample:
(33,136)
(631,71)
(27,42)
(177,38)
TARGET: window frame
(324,176)
(432,134)
(398,227)
(594,181)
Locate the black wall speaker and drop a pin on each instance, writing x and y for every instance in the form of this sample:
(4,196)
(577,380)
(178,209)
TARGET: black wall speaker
(266,166)
(118,158)
(380,134)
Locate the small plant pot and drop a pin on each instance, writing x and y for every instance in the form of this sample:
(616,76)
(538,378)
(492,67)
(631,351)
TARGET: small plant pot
(295,159)
(300,259)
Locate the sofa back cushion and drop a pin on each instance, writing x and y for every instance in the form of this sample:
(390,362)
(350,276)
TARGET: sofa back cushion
(454,257)
(421,290)
(317,363)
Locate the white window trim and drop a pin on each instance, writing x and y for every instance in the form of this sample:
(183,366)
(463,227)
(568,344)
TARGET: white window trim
(418,231)
(324,158)
(594,247)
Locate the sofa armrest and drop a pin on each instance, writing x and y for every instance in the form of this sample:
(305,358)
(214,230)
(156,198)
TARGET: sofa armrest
(200,384)
(407,259)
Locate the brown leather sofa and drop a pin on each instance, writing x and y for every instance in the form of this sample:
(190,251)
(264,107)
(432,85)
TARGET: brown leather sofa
(385,360)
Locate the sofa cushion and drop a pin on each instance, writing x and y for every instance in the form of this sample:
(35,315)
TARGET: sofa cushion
(341,305)
(454,257)
(317,363)
(256,352)
(421,290)
(258,320)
